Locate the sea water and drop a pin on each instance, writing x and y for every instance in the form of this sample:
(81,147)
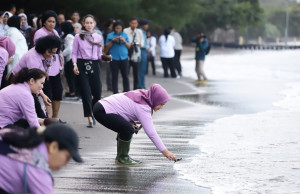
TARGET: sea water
(256,149)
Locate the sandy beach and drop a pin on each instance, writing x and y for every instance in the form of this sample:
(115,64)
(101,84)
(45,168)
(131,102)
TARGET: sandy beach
(99,174)
(243,120)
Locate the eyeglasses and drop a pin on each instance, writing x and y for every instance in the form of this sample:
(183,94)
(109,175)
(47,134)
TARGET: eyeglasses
(89,22)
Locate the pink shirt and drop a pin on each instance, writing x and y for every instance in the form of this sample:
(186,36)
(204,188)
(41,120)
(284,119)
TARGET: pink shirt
(12,173)
(16,102)
(55,69)
(3,61)
(82,49)
(132,111)
(33,59)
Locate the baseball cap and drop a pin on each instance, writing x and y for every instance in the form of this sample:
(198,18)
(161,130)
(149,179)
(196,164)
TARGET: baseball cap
(65,136)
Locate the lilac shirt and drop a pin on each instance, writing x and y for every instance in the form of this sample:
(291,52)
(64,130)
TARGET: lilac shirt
(31,59)
(12,173)
(3,61)
(82,49)
(16,102)
(131,111)
(55,69)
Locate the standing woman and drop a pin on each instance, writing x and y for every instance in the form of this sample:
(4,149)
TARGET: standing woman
(18,38)
(119,112)
(167,53)
(42,56)
(53,86)
(87,51)
(117,43)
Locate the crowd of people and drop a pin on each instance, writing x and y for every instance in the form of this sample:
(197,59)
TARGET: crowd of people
(36,51)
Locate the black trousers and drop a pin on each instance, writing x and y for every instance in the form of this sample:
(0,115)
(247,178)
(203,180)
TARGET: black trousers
(89,84)
(177,63)
(38,108)
(3,192)
(70,76)
(123,67)
(151,60)
(135,69)
(168,63)
(114,122)
(53,88)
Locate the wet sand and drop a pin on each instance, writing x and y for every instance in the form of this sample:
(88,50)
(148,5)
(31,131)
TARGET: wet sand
(176,125)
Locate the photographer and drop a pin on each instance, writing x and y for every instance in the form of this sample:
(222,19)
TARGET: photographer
(201,49)
(137,41)
(117,44)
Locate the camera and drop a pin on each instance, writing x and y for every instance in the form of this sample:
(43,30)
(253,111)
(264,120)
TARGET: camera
(135,47)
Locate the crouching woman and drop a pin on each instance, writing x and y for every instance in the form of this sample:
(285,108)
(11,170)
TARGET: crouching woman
(28,157)
(118,112)
(16,101)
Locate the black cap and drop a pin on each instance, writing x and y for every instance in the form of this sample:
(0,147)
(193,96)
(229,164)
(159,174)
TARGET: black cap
(66,138)
(143,22)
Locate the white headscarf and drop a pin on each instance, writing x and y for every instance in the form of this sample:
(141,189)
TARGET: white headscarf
(26,26)
(7,12)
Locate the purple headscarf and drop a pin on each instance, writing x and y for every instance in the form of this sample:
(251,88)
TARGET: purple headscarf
(8,45)
(153,97)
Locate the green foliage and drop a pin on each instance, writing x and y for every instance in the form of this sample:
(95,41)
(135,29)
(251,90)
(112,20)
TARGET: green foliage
(271,31)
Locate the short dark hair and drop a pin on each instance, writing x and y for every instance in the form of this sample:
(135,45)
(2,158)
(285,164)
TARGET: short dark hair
(67,28)
(25,74)
(48,14)
(118,23)
(133,18)
(14,21)
(30,18)
(47,42)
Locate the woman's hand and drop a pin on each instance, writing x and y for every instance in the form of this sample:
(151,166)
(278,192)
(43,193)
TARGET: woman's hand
(46,99)
(169,155)
(75,70)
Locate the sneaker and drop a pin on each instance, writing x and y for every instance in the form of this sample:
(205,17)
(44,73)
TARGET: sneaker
(68,96)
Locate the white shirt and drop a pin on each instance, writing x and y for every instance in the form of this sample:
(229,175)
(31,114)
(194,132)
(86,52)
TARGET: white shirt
(68,44)
(139,39)
(21,45)
(167,46)
(151,42)
(178,40)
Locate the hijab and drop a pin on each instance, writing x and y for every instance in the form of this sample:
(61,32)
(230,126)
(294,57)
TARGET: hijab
(153,97)
(8,45)
(26,26)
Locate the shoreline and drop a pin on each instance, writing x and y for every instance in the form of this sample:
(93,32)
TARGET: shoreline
(179,122)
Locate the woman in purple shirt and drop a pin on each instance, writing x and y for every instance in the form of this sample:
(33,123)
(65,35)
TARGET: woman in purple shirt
(7,51)
(16,102)
(53,86)
(120,112)
(86,54)
(42,56)
(28,157)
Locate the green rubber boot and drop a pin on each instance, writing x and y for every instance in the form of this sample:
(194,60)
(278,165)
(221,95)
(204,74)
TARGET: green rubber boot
(123,158)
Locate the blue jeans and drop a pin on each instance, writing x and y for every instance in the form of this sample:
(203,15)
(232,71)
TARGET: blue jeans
(143,68)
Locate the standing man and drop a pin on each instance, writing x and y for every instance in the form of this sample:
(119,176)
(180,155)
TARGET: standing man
(137,41)
(201,50)
(178,49)
(143,67)
(75,17)
(60,19)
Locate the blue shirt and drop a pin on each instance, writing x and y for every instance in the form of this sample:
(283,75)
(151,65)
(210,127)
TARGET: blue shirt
(118,51)
(201,50)
(145,39)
